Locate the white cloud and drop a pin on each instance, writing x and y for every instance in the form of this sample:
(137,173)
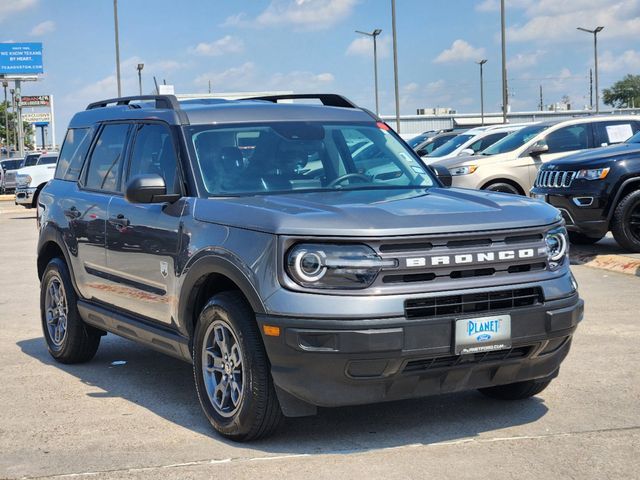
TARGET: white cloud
(307,14)
(300,81)
(626,62)
(43,28)
(524,60)
(9,7)
(460,51)
(235,78)
(222,46)
(363,47)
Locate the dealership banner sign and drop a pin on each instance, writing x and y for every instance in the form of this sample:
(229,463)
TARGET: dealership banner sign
(35,101)
(21,58)
(36,117)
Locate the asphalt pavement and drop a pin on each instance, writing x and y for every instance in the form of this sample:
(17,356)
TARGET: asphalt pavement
(133,413)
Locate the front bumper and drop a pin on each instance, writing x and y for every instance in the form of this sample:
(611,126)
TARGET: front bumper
(24,196)
(330,362)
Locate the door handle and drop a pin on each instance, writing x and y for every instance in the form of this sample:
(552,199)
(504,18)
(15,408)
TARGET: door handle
(72,213)
(119,221)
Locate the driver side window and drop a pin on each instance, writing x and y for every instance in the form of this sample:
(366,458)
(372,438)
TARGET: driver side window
(154,153)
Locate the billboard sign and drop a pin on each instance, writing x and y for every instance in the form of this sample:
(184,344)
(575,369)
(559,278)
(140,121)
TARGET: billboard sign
(35,101)
(21,58)
(36,117)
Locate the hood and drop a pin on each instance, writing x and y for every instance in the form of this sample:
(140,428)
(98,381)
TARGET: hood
(596,157)
(387,212)
(36,169)
(473,159)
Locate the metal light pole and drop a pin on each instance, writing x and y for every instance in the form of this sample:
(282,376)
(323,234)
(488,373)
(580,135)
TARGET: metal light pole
(395,63)
(505,90)
(595,55)
(481,63)
(139,68)
(115,21)
(5,84)
(14,135)
(374,35)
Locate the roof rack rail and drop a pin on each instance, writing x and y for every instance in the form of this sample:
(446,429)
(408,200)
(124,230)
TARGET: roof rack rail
(169,102)
(327,99)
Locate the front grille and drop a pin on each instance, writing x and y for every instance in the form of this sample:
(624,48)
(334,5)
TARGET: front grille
(454,360)
(554,179)
(472,303)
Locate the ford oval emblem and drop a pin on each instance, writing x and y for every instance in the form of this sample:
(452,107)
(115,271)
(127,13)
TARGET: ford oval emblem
(484,337)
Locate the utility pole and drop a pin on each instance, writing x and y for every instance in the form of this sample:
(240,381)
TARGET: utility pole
(541,102)
(505,91)
(591,88)
(139,68)
(209,86)
(115,20)
(395,63)
(481,63)
(5,84)
(374,35)
(595,32)
(14,135)
(20,126)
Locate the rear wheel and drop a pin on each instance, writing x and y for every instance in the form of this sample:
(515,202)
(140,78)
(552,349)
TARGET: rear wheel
(232,372)
(516,391)
(578,238)
(626,222)
(502,187)
(68,338)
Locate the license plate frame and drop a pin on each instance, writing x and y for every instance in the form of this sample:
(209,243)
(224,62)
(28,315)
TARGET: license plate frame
(482,334)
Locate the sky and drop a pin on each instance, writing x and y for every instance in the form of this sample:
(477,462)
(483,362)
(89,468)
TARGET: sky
(311,46)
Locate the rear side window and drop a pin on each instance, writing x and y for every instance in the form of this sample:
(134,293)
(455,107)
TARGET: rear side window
(74,150)
(616,131)
(567,139)
(105,165)
(47,160)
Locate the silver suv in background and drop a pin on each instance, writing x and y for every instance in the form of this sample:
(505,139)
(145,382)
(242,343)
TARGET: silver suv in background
(511,165)
(8,170)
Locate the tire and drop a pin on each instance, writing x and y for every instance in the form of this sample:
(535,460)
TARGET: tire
(503,188)
(68,338)
(626,222)
(255,412)
(578,238)
(516,391)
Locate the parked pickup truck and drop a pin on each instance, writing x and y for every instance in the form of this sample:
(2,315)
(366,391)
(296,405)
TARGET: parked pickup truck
(30,180)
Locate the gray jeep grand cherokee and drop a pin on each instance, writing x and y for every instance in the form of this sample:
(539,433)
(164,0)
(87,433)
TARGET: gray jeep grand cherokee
(299,255)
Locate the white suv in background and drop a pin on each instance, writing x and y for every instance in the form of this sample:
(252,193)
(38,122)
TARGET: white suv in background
(30,180)
(472,141)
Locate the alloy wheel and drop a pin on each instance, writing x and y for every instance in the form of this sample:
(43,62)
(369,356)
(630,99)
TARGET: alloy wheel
(56,311)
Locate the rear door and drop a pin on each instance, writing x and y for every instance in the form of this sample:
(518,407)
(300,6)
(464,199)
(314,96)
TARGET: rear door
(143,240)
(87,211)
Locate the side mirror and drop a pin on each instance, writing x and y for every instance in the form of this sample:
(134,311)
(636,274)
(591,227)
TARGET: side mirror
(467,152)
(148,189)
(538,148)
(443,174)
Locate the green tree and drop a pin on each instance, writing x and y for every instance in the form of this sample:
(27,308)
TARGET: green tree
(4,139)
(623,93)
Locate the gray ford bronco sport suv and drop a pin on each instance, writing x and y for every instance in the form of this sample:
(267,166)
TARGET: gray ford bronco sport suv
(299,255)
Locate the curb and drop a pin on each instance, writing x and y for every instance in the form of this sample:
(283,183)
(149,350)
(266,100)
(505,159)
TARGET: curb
(612,263)
(7,198)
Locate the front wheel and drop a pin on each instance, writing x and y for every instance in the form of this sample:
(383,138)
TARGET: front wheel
(502,187)
(516,391)
(231,370)
(626,222)
(68,338)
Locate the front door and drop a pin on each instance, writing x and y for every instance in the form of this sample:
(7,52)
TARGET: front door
(143,240)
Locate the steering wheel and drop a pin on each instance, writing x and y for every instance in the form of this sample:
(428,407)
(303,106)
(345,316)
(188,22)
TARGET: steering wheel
(348,176)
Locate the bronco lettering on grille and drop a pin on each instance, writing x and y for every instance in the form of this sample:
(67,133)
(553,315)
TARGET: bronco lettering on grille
(467,258)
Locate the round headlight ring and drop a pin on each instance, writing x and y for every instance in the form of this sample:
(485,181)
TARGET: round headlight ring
(557,246)
(309,266)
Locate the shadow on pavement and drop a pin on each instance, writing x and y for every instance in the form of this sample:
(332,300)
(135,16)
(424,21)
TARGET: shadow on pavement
(165,386)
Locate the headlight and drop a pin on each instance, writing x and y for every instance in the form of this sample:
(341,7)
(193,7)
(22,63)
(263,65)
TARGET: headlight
(557,246)
(23,180)
(334,266)
(466,170)
(593,174)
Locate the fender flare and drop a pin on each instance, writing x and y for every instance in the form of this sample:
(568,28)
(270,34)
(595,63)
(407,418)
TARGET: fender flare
(49,233)
(616,199)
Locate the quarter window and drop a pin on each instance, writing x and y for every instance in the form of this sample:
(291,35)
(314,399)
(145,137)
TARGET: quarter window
(74,149)
(154,153)
(617,131)
(106,160)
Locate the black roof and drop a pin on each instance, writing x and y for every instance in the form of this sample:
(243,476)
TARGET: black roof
(207,111)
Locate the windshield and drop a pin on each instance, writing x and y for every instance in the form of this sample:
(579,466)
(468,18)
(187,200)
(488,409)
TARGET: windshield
(11,164)
(415,141)
(514,140)
(47,160)
(285,157)
(450,146)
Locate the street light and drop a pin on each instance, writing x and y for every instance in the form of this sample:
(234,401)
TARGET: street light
(115,21)
(374,35)
(5,84)
(395,63)
(481,63)
(505,87)
(595,55)
(139,68)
